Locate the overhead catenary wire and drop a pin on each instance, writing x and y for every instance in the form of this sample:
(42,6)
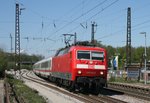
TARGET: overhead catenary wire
(86,13)
(95,14)
(79,17)
(115,33)
(73,8)
(134,28)
(84,26)
(31,38)
(103,9)
(53,21)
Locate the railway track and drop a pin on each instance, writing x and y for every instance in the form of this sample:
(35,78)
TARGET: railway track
(135,91)
(7,99)
(82,97)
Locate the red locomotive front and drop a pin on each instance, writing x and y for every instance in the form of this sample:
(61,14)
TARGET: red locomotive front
(89,61)
(81,66)
(89,66)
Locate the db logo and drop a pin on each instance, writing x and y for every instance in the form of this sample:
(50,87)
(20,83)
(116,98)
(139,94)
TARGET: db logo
(91,62)
(91,66)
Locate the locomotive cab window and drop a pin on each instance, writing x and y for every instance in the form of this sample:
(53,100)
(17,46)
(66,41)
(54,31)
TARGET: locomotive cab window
(90,55)
(97,56)
(83,54)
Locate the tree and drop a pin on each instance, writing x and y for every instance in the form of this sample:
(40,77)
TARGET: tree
(3,63)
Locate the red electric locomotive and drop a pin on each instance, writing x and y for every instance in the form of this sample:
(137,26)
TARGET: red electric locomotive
(79,67)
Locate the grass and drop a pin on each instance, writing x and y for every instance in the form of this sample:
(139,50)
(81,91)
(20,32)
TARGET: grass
(24,92)
(125,80)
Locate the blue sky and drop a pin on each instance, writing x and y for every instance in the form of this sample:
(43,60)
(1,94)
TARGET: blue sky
(44,21)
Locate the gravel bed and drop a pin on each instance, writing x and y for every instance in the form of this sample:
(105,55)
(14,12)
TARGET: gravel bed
(1,91)
(136,84)
(56,97)
(51,95)
(129,99)
(33,75)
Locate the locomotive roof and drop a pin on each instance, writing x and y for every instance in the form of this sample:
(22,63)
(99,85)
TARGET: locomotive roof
(79,44)
(89,47)
(67,49)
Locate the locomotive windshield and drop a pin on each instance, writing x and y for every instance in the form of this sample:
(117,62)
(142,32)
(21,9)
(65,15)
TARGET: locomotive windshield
(83,55)
(91,55)
(97,56)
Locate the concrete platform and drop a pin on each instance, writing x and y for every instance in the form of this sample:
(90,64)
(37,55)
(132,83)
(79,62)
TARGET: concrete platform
(1,91)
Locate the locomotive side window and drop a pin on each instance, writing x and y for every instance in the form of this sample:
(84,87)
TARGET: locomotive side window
(38,66)
(97,56)
(83,54)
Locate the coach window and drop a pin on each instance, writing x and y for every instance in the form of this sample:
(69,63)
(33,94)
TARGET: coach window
(49,63)
(44,65)
(83,54)
(38,66)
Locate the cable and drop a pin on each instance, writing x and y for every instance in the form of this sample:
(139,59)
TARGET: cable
(97,13)
(112,34)
(80,16)
(103,9)
(116,31)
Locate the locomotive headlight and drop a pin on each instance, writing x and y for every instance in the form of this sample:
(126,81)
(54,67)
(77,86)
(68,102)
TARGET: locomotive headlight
(79,72)
(101,73)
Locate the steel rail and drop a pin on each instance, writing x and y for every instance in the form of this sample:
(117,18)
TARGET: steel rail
(134,91)
(82,97)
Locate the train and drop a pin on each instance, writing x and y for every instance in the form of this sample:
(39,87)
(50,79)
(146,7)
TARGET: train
(76,67)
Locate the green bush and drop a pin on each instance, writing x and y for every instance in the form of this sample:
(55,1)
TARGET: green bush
(122,80)
(112,79)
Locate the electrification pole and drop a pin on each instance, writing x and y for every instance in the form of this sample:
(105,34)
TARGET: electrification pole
(128,42)
(17,38)
(11,48)
(75,38)
(93,32)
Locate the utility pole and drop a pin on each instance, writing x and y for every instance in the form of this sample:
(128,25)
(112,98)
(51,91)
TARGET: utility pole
(75,38)
(11,48)
(128,42)
(17,37)
(145,56)
(93,32)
